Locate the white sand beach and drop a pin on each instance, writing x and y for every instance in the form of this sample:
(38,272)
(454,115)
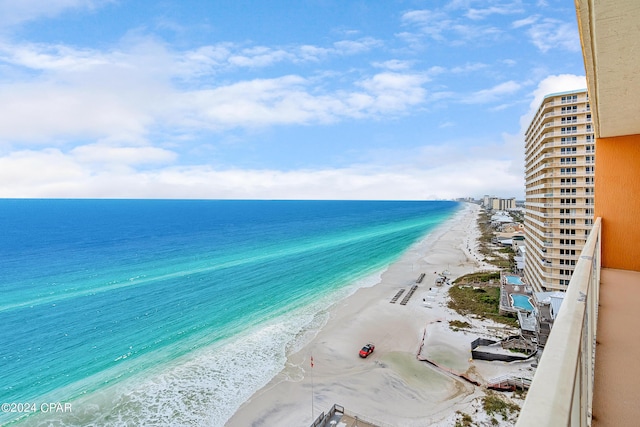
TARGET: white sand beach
(391,386)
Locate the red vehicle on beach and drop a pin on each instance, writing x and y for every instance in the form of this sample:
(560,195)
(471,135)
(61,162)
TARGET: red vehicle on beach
(367,350)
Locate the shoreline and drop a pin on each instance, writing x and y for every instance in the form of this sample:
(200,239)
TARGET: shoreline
(391,386)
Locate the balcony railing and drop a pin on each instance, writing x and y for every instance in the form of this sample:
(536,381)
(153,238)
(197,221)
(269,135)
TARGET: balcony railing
(562,390)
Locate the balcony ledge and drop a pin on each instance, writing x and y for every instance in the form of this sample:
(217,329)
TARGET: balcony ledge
(617,372)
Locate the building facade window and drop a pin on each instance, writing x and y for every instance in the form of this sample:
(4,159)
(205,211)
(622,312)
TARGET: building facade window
(568,171)
(567,181)
(567,251)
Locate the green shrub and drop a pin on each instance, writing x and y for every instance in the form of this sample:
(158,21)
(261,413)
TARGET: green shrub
(464,421)
(459,324)
(493,403)
(483,302)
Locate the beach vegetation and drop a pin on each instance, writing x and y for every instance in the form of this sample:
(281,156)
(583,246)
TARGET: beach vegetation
(463,420)
(482,301)
(520,394)
(502,257)
(493,403)
(459,324)
(480,277)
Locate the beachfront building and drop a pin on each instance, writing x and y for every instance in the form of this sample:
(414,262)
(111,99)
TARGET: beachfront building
(498,204)
(574,384)
(560,158)
(504,204)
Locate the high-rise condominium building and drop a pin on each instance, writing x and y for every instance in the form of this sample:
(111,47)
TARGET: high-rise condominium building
(498,204)
(503,204)
(559,183)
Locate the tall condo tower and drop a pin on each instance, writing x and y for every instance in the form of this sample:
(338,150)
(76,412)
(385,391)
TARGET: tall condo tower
(559,185)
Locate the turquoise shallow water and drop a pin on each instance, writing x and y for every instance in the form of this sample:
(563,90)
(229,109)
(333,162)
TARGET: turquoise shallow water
(137,312)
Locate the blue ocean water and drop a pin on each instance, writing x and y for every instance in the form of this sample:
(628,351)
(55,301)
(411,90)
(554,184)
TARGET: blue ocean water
(135,312)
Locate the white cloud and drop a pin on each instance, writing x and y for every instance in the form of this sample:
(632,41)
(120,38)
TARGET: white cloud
(64,175)
(350,47)
(395,92)
(45,112)
(289,100)
(430,23)
(13,12)
(313,53)
(525,21)
(116,122)
(507,9)
(203,60)
(394,65)
(469,68)
(259,102)
(492,94)
(51,57)
(123,95)
(422,16)
(259,56)
(108,154)
(446,27)
(553,34)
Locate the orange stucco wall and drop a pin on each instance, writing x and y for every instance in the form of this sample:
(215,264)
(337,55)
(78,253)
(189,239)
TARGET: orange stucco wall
(617,200)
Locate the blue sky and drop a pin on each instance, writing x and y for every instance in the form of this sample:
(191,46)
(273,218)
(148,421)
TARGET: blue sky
(302,99)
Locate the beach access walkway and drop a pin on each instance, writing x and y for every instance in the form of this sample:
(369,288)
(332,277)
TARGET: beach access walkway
(409,294)
(338,417)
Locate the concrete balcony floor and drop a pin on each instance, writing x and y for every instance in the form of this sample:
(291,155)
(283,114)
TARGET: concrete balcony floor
(616,398)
